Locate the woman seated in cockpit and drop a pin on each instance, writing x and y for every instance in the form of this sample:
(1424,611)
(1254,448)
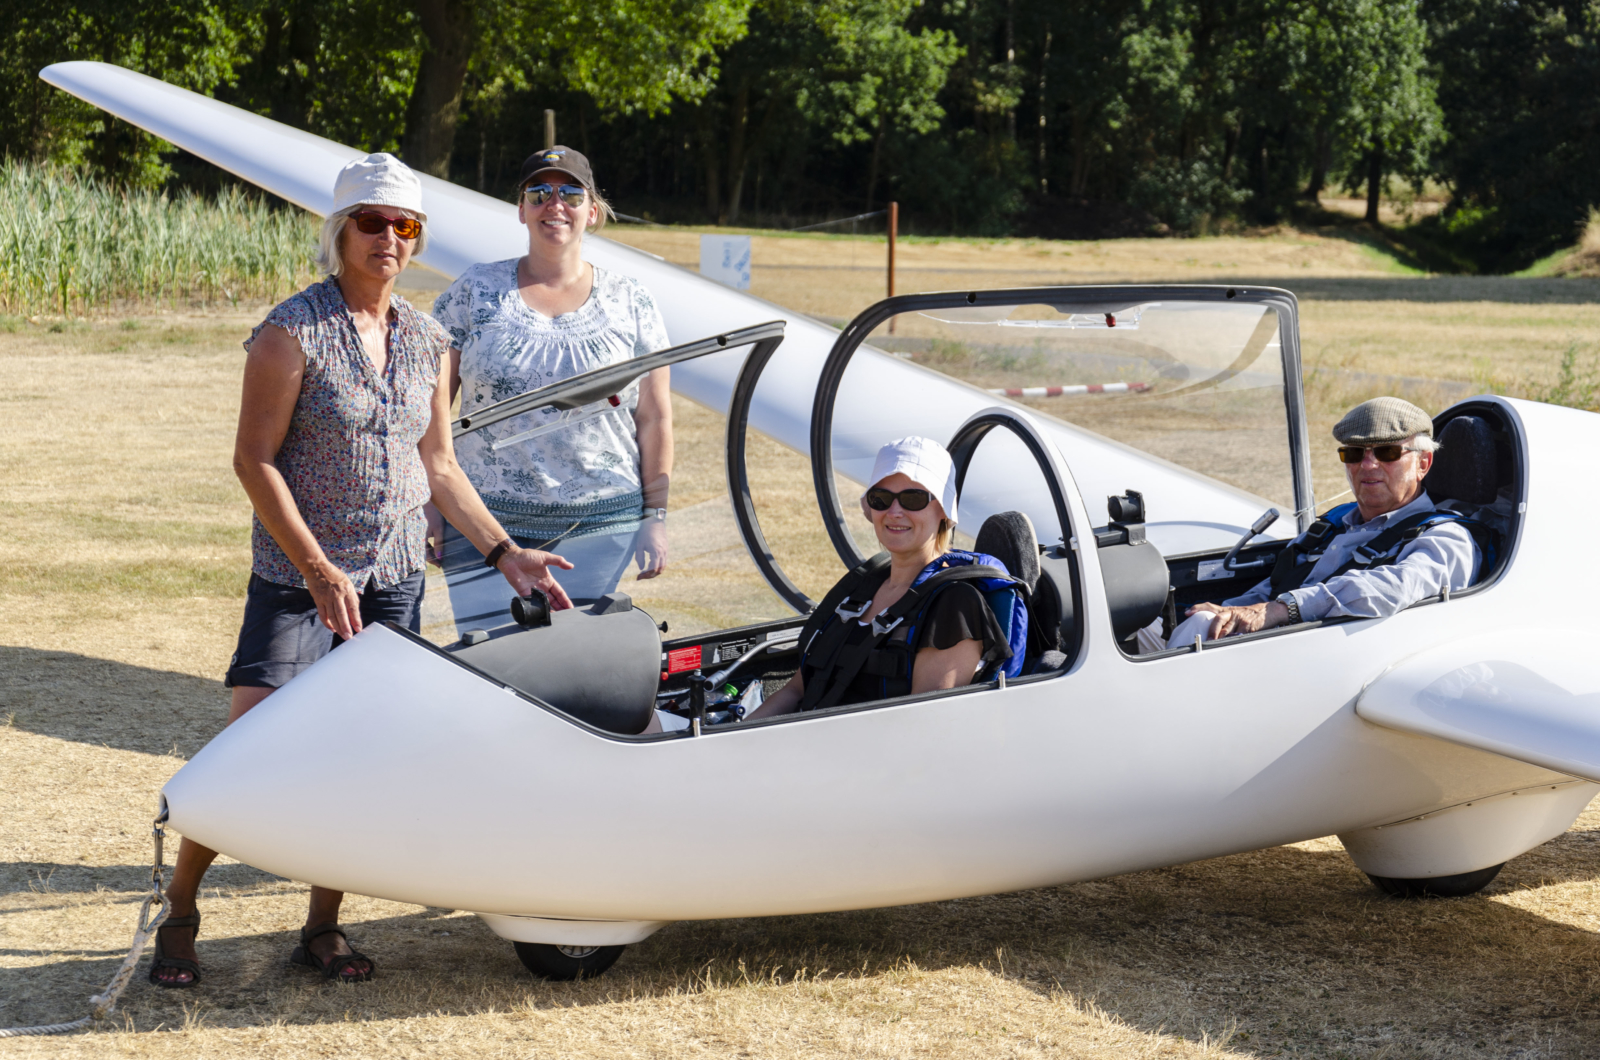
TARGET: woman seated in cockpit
(915,618)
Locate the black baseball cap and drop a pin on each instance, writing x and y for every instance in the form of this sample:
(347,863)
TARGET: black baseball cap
(559,157)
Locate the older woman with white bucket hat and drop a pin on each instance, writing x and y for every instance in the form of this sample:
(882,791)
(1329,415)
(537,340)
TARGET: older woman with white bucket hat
(344,435)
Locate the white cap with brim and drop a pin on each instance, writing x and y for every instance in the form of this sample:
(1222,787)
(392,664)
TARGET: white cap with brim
(925,462)
(378,180)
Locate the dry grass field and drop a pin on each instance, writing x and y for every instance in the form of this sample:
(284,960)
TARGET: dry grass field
(119,602)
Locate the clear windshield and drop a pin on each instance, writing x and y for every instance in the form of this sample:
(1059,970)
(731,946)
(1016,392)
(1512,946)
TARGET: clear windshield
(710,582)
(1181,400)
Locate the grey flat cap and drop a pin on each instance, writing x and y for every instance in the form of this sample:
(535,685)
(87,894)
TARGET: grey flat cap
(1382,421)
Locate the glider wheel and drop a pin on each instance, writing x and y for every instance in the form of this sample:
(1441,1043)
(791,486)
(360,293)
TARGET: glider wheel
(566,962)
(1458,886)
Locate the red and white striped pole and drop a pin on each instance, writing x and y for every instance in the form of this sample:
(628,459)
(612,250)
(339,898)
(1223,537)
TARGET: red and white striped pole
(1066,391)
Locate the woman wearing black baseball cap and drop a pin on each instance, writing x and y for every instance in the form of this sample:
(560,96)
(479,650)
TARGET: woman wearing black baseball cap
(594,491)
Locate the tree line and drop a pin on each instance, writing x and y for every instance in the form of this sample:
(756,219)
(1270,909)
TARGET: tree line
(1054,117)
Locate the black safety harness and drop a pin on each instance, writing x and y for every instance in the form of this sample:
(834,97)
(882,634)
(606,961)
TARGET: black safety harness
(889,649)
(1296,561)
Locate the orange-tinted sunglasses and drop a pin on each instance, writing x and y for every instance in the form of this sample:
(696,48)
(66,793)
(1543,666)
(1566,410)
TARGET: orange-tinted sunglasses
(371,223)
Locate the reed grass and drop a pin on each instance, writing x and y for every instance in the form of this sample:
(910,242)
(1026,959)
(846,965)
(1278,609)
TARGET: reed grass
(71,246)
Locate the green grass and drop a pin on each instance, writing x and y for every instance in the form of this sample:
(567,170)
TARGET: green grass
(69,246)
(1547,265)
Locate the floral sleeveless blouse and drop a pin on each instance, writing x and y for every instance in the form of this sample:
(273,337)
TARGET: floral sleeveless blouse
(350,457)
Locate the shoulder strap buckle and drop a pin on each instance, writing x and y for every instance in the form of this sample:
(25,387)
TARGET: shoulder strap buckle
(1365,556)
(881,630)
(844,612)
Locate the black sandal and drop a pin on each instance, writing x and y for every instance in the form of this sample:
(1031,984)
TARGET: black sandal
(182,964)
(336,967)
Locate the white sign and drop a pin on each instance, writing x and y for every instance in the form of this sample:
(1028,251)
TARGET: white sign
(726,259)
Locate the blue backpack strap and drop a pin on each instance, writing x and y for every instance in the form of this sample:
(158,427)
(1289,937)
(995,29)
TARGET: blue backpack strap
(1007,599)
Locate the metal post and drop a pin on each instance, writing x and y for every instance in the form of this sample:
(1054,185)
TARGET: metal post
(894,226)
(894,230)
(549,129)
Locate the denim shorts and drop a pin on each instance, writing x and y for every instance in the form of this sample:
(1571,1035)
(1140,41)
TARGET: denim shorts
(282,635)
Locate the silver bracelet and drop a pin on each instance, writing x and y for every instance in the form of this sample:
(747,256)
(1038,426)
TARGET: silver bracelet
(659,514)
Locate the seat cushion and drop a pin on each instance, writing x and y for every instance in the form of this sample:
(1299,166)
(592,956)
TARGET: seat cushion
(1466,467)
(1009,538)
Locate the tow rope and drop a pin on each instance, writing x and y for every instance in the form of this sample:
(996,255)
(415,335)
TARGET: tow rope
(105,1002)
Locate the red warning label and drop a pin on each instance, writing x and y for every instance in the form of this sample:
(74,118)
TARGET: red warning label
(681,659)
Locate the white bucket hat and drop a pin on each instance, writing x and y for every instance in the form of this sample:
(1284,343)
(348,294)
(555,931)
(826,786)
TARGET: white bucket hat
(378,180)
(925,462)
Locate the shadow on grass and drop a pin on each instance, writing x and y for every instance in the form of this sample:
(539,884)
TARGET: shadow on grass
(1429,289)
(1291,948)
(101,702)
(43,877)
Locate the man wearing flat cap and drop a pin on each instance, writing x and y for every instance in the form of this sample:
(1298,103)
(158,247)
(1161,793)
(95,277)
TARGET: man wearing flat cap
(1369,559)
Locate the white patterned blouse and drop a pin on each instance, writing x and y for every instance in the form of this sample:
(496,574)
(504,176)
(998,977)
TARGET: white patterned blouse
(576,480)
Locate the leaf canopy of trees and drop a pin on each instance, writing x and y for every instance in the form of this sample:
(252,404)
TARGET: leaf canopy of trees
(978,115)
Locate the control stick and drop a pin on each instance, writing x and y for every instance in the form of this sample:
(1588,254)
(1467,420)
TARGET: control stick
(1231,561)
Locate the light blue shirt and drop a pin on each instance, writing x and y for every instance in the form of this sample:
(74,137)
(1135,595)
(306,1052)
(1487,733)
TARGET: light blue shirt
(1442,555)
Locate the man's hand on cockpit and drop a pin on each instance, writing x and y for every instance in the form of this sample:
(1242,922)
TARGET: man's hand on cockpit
(529,568)
(1246,619)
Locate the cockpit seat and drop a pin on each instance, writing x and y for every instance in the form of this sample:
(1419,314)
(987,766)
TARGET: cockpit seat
(1471,475)
(1466,468)
(1010,538)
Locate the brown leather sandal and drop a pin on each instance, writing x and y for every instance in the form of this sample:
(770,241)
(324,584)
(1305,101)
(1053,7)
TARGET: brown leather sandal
(182,964)
(336,967)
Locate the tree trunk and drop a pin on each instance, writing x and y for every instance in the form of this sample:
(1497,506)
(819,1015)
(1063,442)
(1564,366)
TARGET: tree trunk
(1011,66)
(736,152)
(1321,157)
(713,167)
(877,152)
(1374,183)
(1078,187)
(450,28)
(1230,148)
(1044,67)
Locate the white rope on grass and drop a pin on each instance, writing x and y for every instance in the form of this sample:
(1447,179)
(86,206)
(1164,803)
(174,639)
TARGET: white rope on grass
(105,1002)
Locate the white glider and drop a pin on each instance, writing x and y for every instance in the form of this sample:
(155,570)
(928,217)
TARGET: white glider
(500,774)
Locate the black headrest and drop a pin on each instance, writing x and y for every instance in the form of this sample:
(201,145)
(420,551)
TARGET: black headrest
(1009,538)
(1465,467)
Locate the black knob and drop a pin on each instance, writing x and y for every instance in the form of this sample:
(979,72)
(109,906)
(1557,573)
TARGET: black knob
(531,610)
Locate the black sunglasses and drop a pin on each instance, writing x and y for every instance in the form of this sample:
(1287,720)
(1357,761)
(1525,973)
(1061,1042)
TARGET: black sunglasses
(571,194)
(1354,454)
(879,500)
(371,222)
